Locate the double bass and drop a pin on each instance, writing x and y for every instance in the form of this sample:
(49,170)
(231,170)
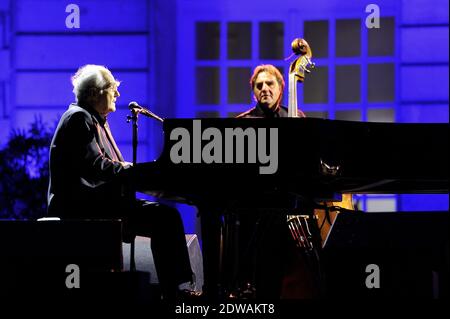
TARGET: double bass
(325,215)
(303,277)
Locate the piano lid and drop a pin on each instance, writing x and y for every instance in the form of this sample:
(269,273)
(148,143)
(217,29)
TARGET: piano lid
(299,155)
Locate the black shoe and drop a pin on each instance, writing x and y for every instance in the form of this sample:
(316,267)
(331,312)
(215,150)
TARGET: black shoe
(187,295)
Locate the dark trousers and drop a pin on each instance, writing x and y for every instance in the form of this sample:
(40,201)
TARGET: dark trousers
(164,226)
(160,222)
(264,251)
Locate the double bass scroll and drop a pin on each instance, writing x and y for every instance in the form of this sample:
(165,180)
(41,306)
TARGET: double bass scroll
(301,66)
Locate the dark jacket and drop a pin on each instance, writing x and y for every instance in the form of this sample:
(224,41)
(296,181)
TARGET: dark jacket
(85,182)
(263,112)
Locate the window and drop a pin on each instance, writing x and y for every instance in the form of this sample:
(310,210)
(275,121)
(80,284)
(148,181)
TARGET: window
(208,40)
(348,115)
(381,40)
(226,53)
(316,86)
(238,87)
(360,63)
(381,82)
(208,85)
(239,41)
(348,84)
(348,38)
(316,33)
(271,41)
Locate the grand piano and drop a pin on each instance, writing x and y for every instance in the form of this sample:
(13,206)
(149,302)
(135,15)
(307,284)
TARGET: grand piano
(310,160)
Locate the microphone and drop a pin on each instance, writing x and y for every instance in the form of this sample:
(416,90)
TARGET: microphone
(139,109)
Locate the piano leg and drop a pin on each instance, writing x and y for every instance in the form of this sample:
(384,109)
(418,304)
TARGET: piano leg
(217,272)
(211,225)
(316,252)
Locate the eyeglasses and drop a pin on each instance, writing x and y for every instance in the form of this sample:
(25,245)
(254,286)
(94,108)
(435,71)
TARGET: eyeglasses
(112,86)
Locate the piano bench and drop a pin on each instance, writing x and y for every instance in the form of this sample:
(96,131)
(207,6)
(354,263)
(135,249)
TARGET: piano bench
(38,256)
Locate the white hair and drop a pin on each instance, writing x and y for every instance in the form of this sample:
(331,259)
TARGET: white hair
(89,80)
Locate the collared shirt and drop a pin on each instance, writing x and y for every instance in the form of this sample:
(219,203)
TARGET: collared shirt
(106,137)
(109,142)
(263,112)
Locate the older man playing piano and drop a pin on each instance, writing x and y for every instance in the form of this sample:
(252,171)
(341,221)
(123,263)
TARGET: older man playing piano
(86,179)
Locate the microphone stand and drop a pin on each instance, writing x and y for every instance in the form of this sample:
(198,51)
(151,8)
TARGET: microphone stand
(133,118)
